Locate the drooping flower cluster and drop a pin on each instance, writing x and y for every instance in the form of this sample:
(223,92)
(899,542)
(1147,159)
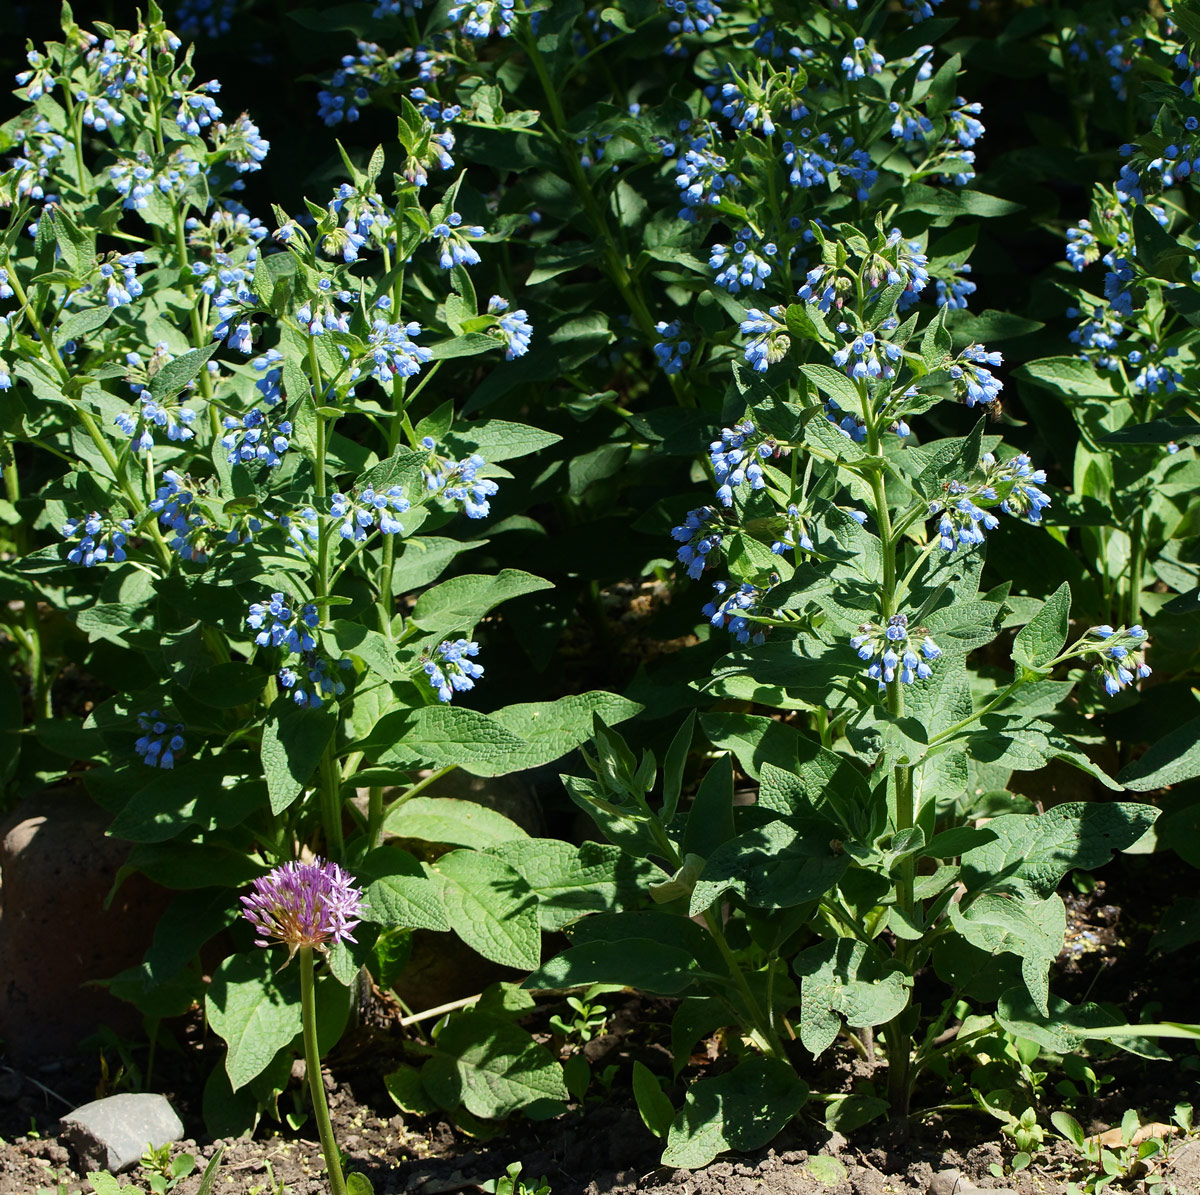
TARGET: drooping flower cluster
(688,17)
(174,504)
(744,264)
(974,383)
(278,625)
(451,669)
(167,414)
(860,358)
(672,348)
(483,18)
(736,612)
(459,481)
(456,249)
(892,651)
(361,513)
(699,540)
(1012,485)
(736,457)
(769,341)
(513,326)
(394,351)
(1121,655)
(304,906)
(352,83)
(100,539)
(253,439)
(160,742)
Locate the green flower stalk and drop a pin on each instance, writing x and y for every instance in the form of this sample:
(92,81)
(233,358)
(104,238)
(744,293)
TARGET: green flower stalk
(306,906)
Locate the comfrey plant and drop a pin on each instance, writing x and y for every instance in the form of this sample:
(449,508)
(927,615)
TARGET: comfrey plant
(849,559)
(227,446)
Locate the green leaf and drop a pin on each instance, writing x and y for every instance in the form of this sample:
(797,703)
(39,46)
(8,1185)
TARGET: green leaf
(844,980)
(836,385)
(499,440)
(490,1066)
(1158,431)
(1032,852)
(1033,930)
(226,686)
(458,604)
(1067,375)
(850,1112)
(254,1009)
(408,1092)
(674,764)
(656,1111)
(641,963)
(424,558)
(743,1110)
(293,741)
(1172,760)
(175,375)
(776,866)
(451,821)
(1042,638)
(79,324)
(490,907)
(552,728)
(399,893)
(358,1184)
(571,881)
(710,818)
(1063,1029)
(827,1170)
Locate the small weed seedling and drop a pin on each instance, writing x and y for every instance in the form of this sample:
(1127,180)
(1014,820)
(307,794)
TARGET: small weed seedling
(165,1173)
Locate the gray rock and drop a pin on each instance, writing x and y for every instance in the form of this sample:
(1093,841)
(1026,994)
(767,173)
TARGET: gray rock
(952,1182)
(112,1133)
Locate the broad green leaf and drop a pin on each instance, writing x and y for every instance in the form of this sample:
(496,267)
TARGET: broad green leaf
(552,728)
(255,1009)
(293,741)
(1067,375)
(173,376)
(571,881)
(634,962)
(408,1092)
(844,980)
(710,818)
(79,324)
(226,686)
(451,735)
(1042,638)
(829,783)
(195,795)
(375,650)
(451,821)
(490,907)
(776,866)
(186,865)
(424,558)
(458,604)
(1032,852)
(491,1067)
(1172,760)
(835,385)
(743,1110)
(1003,923)
(399,893)
(498,440)
(1063,1029)
(674,765)
(667,929)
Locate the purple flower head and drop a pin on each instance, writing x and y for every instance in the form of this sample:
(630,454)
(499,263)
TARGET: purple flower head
(304,905)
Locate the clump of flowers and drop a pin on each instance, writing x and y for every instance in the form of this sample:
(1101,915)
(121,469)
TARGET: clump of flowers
(513,327)
(459,481)
(451,669)
(734,610)
(456,249)
(736,458)
(170,416)
(892,651)
(252,439)
(304,906)
(360,514)
(1120,655)
(160,742)
(100,539)
(672,348)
